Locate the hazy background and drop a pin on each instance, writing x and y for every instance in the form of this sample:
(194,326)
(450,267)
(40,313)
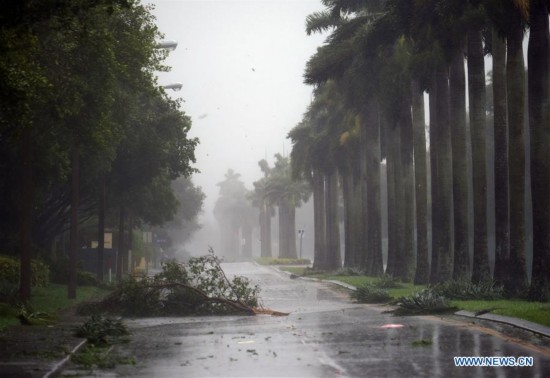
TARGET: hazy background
(241,64)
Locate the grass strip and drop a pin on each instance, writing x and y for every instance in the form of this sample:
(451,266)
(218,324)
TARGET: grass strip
(535,312)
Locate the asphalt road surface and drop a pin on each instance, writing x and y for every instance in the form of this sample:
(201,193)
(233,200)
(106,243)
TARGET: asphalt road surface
(325,335)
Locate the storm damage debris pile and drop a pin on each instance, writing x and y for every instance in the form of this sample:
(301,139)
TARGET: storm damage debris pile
(199,287)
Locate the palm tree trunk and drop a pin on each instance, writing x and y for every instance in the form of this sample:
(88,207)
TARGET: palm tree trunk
(394,235)
(284,242)
(516,278)
(319,218)
(441,178)
(502,218)
(371,128)
(291,232)
(406,262)
(476,92)
(457,110)
(421,188)
(333,258)
(350,254)
(538,55)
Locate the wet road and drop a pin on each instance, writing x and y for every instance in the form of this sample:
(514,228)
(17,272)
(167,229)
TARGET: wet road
(325,335)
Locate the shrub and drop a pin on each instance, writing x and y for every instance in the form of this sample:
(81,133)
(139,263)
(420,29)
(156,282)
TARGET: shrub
(387,281)
(423,302)
(370,294)
(10,270)
(464,289)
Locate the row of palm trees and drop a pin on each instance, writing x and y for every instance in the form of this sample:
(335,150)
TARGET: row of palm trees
(277,189)
(370,78)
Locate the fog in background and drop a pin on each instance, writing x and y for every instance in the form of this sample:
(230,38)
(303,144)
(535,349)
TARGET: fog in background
(241,64)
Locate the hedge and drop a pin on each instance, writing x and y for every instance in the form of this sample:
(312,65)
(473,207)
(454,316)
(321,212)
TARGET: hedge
(9,271)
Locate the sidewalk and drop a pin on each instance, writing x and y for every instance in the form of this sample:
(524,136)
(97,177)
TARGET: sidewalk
(39,350)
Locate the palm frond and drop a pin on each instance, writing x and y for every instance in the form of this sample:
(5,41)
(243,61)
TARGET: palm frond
(319,22)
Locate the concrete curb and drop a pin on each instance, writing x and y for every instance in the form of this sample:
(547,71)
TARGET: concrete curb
(60,364)
(515,322)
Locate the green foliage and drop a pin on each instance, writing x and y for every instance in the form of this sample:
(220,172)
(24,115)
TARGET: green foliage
(387,281)
(370,294)
(347,271)
(98,330)
(93,356)
(423,302)
(281,261)
(9,273)
(198,287)
(464,289)
(27,316)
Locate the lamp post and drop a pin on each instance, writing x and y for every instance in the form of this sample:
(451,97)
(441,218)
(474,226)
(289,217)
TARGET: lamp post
(301,233)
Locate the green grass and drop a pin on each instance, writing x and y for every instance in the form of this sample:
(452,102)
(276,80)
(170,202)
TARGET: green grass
(50,299)
(281,261)
(532,311)
(536,312)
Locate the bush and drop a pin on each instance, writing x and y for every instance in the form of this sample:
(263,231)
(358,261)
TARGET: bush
(387,281)
(423,302)
(370,294)
(464,289)
(10,270)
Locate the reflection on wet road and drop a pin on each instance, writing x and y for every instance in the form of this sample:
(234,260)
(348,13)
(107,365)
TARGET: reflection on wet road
(325,335)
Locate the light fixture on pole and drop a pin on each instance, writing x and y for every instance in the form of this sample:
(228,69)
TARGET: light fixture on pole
(301,233)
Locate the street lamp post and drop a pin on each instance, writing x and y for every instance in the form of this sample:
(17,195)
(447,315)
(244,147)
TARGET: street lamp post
(301,233)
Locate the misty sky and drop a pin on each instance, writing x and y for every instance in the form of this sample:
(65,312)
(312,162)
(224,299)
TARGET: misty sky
(241,63)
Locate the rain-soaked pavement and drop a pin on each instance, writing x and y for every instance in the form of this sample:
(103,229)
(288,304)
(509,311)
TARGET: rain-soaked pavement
(325,335)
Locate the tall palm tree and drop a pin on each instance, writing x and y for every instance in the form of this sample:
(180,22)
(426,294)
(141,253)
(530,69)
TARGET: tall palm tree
(477,108)
(287,194)
(516,277)
(500,125)
(538,60)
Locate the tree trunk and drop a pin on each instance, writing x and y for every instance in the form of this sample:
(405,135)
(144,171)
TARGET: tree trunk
(476,92)
(394,230)
(101,229)
(333,232)
(502,217)
(421,188)
(319,217)
(350,254)
(121,244)
(539,123)
(404,124)
(25,216)
(375,266)
(457,111)
(516,277)
(291,232)
(441,178)
(73,249)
